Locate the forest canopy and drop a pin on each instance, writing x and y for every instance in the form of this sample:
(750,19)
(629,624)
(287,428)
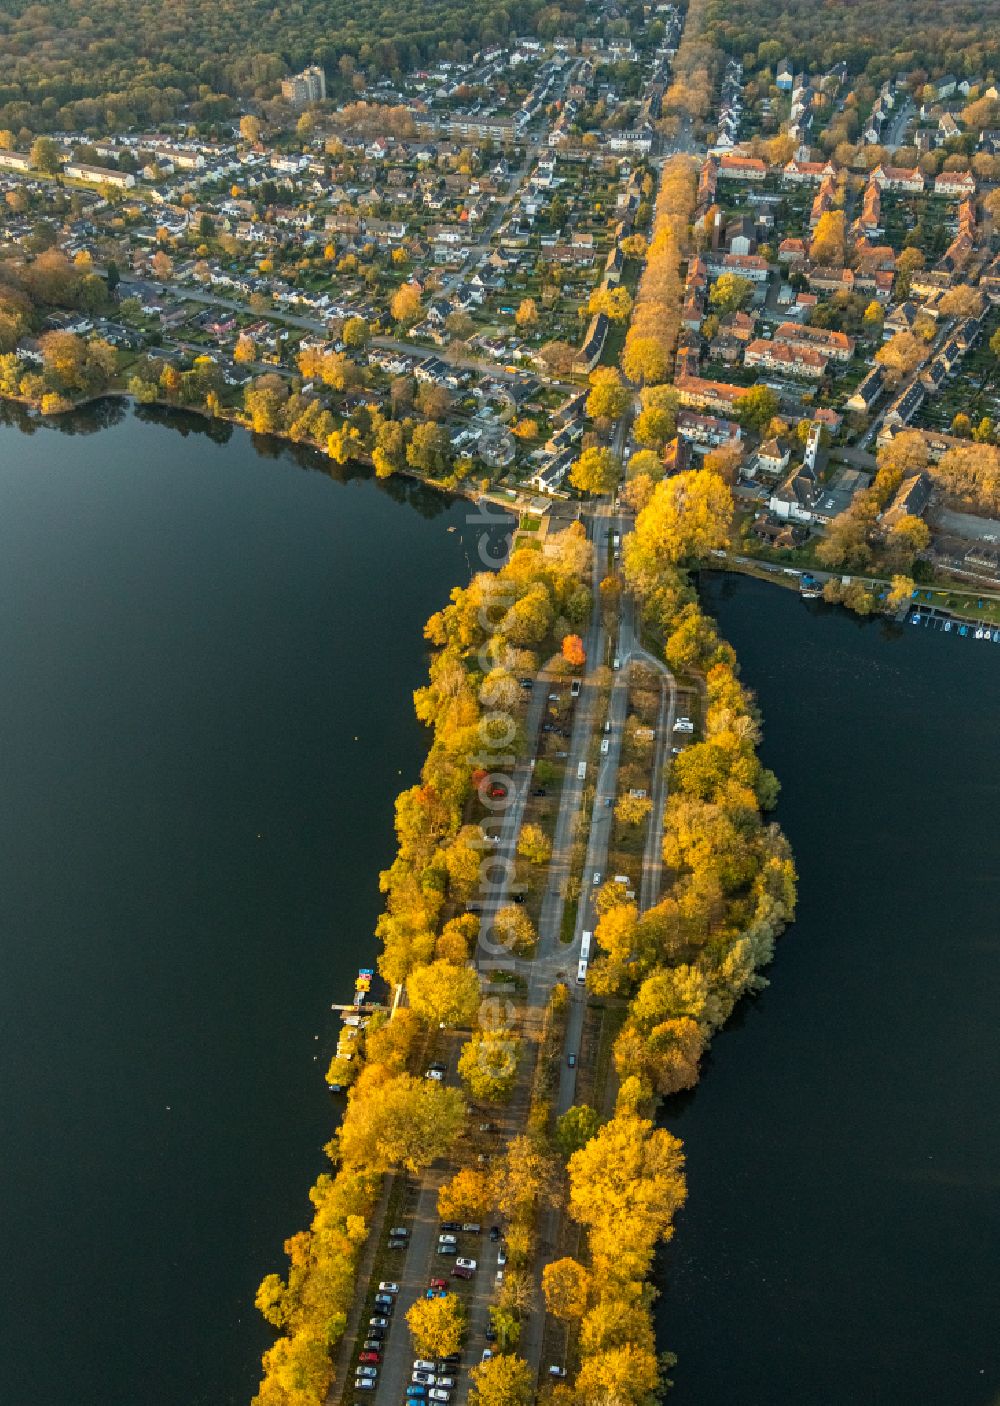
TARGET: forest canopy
(880,37)
(110,64)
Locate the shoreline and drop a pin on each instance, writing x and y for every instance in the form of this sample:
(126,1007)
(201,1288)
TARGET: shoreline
(516,509)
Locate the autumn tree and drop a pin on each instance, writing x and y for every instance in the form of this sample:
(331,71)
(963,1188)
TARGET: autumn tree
(632,810)
(443,994)
(654,426)
(576,1127)
(573,651)
(645,360)
(628,1375)
(615,303)
(45,155)
(608,397)
(525,1178)
(488,1065)
(405,306)
(513,929)
(566,1286)
(404,1121)
(436,1325)
(757,407)
(729,293)
(465,1197)
(533,844)
(688,516)
(596,471)
(626,1185)
(557,357)
(908,537)
(829,238)
(504,1380)
(356,332)
(900,594)
(900,356)
(527,314)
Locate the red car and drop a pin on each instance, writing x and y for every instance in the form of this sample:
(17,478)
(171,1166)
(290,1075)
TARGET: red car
(368,1357)
(439,1283)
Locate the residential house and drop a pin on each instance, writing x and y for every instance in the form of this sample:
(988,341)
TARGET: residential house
(99,175)
(955,184)
(785,360)
(867,392)
(899,178)
(593,345)
(742,168)
(836,346)
(708,430)
(773,456)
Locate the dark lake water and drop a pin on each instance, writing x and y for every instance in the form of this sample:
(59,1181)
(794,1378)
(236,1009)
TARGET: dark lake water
(207,656)
(841,1242)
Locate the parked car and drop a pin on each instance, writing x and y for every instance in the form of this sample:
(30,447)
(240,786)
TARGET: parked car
(446,1382)
(463,1273)
(388,1287)
(384,1302)
(371,1372)
(451,1225)
(472,1227)
(439,1283)
(447,1249)
(437,1394)
(420,1364)
(466,1264)
(399,1232)
(416,1392)
(368,1356)
(378,1322)
(436,1071)
(424,1378)
(571,1061)
(494,1233)
(447,1240)
(555,1371)
(487,1354)
(499,1276)
(501,1257)
(364,1384)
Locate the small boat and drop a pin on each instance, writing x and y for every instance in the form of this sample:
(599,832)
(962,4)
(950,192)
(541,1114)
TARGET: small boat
(979,633)
(947,626)
(996,636)
(916,619)
(964,631)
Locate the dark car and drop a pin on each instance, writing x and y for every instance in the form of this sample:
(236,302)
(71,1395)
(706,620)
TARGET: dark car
(571,1061)
(539,791)
(494,1233)
(451,1225)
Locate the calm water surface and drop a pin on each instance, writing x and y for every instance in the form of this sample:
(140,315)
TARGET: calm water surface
(842,1237)
(206,665)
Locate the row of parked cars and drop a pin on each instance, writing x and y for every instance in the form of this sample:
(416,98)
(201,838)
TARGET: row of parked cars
(370,1356)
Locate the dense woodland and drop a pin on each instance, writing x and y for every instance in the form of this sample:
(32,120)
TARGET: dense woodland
(111,63)
(879,37)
